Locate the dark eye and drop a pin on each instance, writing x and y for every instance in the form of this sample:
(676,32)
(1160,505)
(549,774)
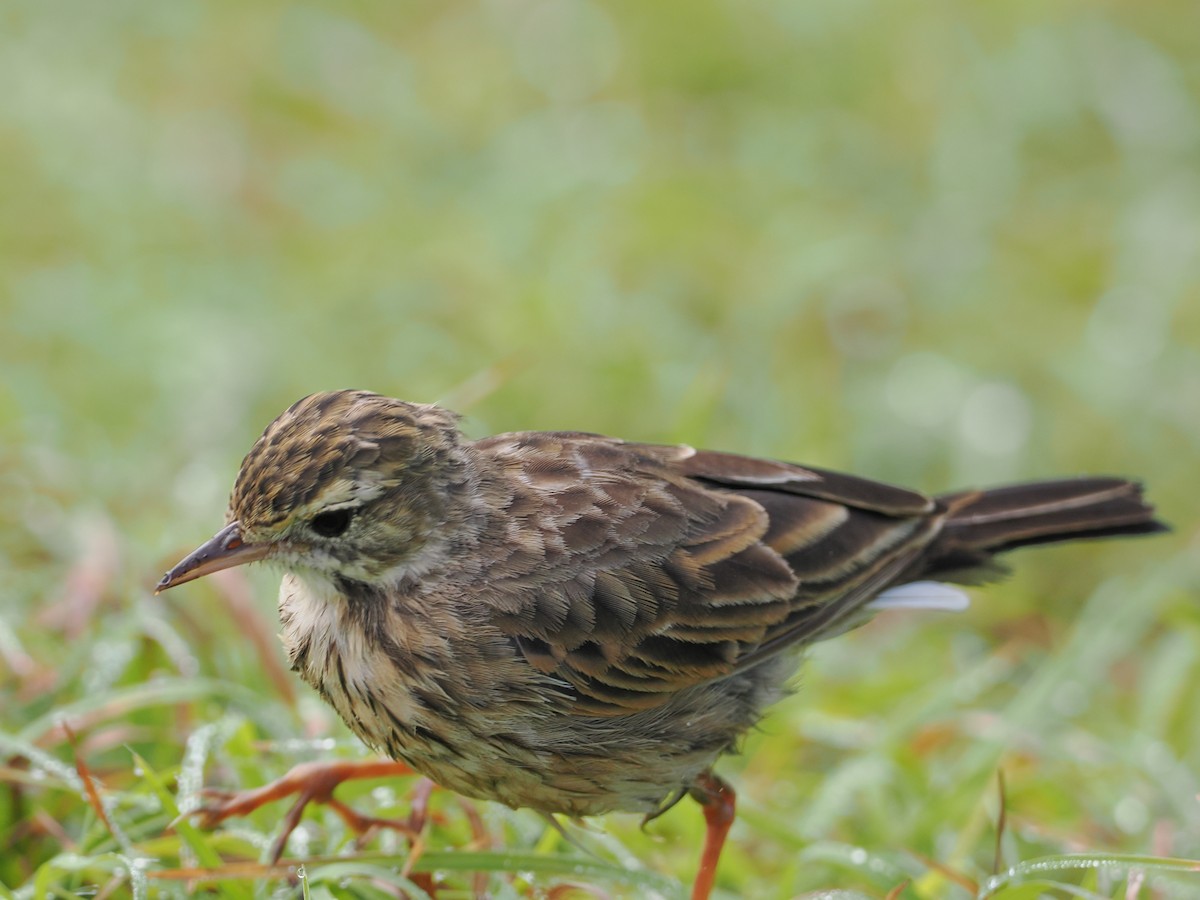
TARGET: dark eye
(333,523)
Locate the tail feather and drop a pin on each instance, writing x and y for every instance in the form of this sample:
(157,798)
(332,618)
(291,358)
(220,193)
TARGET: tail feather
(980,524)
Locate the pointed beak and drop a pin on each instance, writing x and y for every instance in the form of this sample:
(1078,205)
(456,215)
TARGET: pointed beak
(223,550)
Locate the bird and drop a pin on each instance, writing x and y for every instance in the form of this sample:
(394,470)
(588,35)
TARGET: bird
(578,624)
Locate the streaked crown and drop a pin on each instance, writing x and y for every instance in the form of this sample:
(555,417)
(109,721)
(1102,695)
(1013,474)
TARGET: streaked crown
(339,448)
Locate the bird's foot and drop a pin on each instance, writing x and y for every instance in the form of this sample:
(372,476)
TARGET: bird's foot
(315,782)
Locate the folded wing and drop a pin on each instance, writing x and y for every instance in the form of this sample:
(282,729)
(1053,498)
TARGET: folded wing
(646,569)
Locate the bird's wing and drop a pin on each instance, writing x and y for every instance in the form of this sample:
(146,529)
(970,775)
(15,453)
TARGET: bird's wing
(639,570)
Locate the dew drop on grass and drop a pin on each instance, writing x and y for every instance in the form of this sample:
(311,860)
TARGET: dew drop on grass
(1131,815)
(109,660)
(384,795)
(138,881)
(300,841)
(191,771)
(858,856)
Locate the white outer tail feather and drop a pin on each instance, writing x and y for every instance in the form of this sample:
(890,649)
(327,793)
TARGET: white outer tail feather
(922,595)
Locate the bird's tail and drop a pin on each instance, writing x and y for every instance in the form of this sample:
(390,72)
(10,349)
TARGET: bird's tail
(980,524)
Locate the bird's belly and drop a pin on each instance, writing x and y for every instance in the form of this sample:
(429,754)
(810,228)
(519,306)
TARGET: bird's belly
(558,762)
(573,775)
(502,733)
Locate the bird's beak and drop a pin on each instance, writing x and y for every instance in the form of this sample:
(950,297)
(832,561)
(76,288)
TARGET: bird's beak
(223,550)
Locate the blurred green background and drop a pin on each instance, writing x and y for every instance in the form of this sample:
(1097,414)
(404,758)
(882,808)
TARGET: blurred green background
(942,244)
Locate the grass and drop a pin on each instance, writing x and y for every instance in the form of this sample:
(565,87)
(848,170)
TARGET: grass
(878,777)
(941,246)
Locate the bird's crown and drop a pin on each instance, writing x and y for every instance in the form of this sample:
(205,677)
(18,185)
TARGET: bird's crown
(338,448)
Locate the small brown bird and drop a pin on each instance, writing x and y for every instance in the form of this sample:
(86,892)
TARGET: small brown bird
(576,624)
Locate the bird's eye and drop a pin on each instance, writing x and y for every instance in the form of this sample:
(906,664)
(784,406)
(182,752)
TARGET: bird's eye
(333,523)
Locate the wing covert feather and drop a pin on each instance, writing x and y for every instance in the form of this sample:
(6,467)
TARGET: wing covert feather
(643,569)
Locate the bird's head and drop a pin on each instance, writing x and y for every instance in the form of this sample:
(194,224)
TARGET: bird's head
(348,485)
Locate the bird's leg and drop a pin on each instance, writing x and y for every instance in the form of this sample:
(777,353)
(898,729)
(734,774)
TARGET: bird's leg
(315,782)
(718,800)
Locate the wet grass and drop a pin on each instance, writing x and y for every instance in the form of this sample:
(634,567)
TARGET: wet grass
(945,247)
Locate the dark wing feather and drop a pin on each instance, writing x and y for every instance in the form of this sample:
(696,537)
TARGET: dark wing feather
(742,472)
(643,570)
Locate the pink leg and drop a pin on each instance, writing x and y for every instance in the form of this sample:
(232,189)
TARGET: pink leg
(718,800)
(313,783)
